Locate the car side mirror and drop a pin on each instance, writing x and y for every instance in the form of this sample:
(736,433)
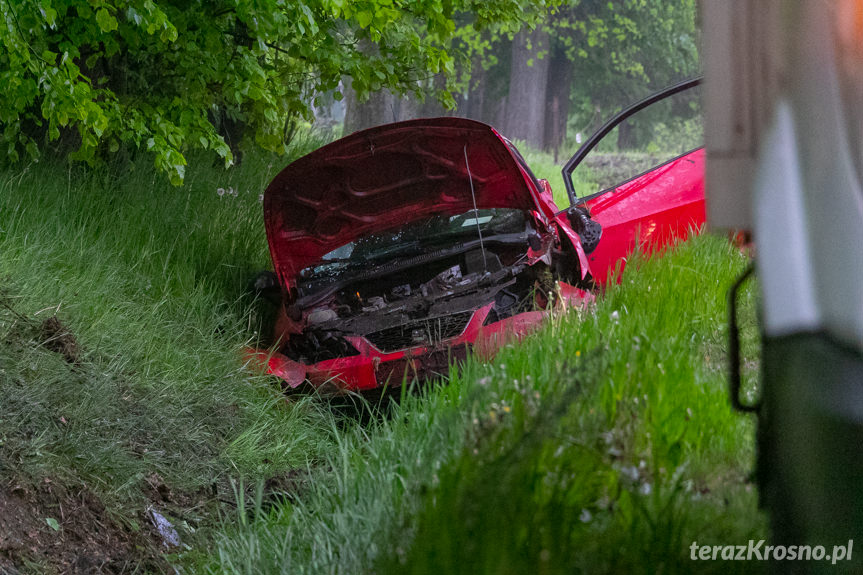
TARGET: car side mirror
(589,230)
(577,217)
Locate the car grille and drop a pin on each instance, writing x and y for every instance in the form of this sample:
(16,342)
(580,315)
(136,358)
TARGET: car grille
(423,332)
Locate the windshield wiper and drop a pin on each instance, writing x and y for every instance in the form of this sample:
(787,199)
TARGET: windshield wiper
(401,249)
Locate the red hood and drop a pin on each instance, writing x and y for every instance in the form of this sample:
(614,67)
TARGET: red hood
(381,178)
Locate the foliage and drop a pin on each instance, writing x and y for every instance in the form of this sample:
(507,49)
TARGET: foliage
(609,54)
(624,51)
(160,75)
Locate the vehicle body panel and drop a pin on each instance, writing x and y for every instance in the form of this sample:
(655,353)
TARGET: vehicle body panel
(649,211)
(379,178)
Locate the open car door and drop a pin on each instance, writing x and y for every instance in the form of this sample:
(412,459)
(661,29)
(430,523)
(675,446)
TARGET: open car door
(648,164)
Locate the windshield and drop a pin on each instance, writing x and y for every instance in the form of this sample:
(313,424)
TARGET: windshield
(421,236)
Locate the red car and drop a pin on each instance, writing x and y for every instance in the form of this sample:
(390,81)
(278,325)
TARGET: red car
(401,248)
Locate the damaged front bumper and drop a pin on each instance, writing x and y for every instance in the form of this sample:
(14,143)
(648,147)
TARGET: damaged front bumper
(372,368)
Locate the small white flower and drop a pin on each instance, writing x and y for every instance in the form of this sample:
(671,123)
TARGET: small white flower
(220,191)
(629,472)
(260,197)
(585,516)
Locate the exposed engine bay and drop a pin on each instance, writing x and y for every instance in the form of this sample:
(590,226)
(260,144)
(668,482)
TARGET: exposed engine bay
(421,304)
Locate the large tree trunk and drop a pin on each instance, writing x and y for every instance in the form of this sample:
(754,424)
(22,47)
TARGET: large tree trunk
(431,107)
(557,99)
(528,81)
(485,100)
(474,102)
(626,137)
(380,108)
(384,107)
(472,106)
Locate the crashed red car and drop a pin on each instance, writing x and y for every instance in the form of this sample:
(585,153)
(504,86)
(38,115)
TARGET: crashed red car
(401,248)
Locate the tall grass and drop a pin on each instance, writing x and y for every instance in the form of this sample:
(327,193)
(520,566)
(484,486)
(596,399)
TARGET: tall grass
(150,280)
(608,444)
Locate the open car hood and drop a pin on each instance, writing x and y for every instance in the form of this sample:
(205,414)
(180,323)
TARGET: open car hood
(381,178)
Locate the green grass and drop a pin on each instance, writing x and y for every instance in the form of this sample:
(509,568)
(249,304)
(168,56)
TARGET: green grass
(543,166)
(605,444)
(150,281)
(540,460)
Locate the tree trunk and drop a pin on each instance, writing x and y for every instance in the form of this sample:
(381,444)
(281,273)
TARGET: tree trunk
(384,107)
(528,81)
(431,107)
(487,89)
(557,100)
(380,108)
(626,137)
(472,107)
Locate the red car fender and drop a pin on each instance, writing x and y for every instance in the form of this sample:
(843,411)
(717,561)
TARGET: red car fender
(275,363)
(650,211)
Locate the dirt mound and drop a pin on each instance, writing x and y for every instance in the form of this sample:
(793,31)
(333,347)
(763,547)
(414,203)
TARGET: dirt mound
(56,337)
(66,529)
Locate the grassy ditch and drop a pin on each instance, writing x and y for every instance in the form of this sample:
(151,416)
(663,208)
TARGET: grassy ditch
(122,316)
(122,392)
(604,445)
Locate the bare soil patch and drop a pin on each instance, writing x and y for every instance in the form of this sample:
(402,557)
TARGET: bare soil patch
(56,337)
(50,526)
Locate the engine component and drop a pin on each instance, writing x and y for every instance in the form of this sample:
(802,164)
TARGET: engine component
(422,332)
(374,304)
(475,264)
(401,291)
(322,315)
(442,282)
(316,345)
(505,305)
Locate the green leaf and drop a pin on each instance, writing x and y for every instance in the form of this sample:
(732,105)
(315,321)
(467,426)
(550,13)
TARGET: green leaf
(50,15)
(364,19)
(106,22)
(52,523)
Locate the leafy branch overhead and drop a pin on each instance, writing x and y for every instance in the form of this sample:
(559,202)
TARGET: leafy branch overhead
(160,75)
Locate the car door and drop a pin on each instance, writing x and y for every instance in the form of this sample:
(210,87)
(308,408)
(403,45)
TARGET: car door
(641,177)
